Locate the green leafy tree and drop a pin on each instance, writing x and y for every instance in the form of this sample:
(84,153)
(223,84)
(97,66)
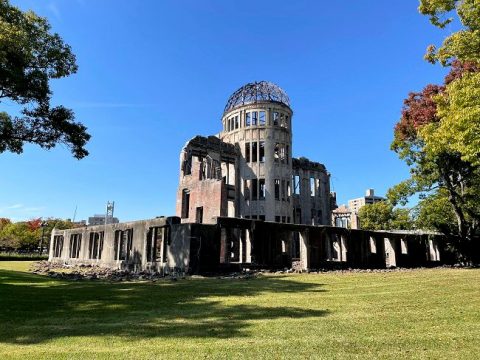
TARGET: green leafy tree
(462,45)
(383,216)
(435,212)
(27,234)
(19,235)
(30,56)
(459,105)
(402,219)
(4,241)
(438,134)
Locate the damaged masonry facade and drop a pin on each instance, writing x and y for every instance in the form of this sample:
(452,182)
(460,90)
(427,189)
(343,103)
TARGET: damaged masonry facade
(244,202)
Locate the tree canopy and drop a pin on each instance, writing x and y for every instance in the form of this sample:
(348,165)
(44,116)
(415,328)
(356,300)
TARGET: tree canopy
(438,134)
(30,56)
(26,235)
(458,106)
(383,216)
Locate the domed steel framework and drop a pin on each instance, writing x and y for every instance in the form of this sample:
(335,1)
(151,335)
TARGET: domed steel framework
(257,91)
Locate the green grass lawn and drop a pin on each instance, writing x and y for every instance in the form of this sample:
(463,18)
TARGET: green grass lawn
(412,314)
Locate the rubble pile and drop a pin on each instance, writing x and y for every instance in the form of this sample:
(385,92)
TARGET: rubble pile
(92,272)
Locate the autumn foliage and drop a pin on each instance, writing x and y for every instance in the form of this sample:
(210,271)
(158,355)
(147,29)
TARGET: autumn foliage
(420,108)
(459,68)
(34,224)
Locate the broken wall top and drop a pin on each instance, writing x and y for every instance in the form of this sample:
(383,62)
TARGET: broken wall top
(305,164)
(201,146)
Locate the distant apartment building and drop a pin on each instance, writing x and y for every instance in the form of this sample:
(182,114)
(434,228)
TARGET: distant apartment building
(101,219)
(347,217)
(370,198)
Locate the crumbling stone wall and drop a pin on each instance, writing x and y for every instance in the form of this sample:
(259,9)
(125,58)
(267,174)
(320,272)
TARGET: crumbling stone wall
(311,195)
(207,180)
(164,245)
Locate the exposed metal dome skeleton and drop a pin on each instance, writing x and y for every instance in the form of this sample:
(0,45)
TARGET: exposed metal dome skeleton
(255,92)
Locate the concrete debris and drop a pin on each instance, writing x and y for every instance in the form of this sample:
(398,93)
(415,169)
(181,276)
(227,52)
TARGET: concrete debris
(91,272)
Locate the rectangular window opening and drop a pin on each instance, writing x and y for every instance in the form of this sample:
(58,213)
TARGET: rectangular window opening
(261,119)
(277,189)
(282,154)
(254,118)
(57,245)
(254,189)
(75,244)
(296,185)
(187,165)
(276,152)
(261,184)
(246,190)
(185,203)
(276,118)
(199,215)
(254,151)
(262,151)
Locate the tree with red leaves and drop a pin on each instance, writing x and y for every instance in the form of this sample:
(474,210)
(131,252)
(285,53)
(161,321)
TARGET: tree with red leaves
(34,224)
(438,172)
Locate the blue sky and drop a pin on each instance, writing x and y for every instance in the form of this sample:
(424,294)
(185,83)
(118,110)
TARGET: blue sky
(153,74)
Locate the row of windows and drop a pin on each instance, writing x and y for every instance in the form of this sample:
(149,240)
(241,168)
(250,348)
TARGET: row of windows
(255,217)
(283,219)
(343,222)
(255,151)
(255,189)
(314,186)
(256,118)
(122,245)
(315,216)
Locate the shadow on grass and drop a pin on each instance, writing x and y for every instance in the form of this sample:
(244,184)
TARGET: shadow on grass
(35,309)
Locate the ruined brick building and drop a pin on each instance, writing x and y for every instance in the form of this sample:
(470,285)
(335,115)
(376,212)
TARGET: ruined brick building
(244,202)
(247,171)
